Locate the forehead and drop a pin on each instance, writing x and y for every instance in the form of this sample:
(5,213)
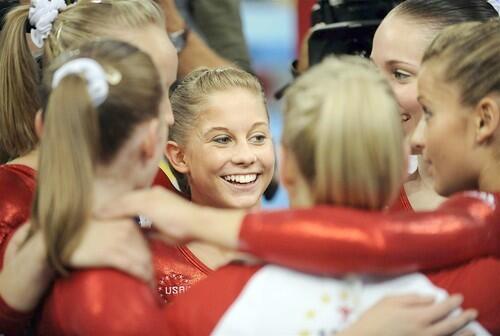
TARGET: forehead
(154,41)
(400,39)
(235,108)
(431,85)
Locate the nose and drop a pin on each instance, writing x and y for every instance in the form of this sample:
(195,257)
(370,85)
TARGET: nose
(417,138)
(244,154)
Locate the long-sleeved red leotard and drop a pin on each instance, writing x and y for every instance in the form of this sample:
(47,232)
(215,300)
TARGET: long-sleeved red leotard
(98,290)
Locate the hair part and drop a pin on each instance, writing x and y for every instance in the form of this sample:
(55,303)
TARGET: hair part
(190,99)
(341,123)
(78,136)
(81,22)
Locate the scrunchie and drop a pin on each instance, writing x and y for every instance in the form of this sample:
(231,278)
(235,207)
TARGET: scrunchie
(41,15)
(94,74)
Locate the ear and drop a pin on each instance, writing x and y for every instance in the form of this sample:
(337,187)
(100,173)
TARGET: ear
(39,124)
(177,157)
(150,140)
(487,118)
(288,171)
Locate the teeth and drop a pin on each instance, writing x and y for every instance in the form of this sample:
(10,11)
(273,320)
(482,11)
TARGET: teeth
(242,179)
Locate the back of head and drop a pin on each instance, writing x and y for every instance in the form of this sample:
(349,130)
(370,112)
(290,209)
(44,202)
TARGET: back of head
(81,22)
(438,14)
(342,125)
(80,132)
(469,57)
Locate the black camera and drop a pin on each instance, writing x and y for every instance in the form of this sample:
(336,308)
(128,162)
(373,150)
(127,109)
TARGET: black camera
(347,26)
(5,7)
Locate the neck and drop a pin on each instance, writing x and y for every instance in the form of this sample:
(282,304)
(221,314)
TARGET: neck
(30,160)
(489,178)
(108,187)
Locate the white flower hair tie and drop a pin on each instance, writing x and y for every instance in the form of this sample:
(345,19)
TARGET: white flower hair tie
(496,5)
(41,15)
(94,74)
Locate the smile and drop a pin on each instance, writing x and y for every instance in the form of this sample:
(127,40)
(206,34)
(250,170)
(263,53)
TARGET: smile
(241,179)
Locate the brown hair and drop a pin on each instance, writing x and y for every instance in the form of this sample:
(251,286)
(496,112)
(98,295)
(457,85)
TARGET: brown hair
(341,123)
(190,97)
(78,23)
(470,57)
(78,135)
(438,14)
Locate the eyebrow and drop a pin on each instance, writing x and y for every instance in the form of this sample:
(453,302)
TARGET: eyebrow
(225,129)
(393,63)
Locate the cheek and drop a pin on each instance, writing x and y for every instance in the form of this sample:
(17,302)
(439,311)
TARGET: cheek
(406,96)
(268,157)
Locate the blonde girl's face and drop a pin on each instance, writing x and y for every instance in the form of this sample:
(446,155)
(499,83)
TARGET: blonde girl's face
(398,48)
(229,155)
(446,134)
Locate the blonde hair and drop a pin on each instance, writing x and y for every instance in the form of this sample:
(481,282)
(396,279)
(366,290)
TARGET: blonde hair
(78,135)
(19,74)
(470,57)
(341,123)
(190,97)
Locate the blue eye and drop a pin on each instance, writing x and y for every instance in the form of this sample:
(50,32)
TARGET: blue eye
(222,140)
(258,139)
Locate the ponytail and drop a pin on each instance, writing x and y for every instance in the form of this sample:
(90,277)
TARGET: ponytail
(19,78)
(68,153)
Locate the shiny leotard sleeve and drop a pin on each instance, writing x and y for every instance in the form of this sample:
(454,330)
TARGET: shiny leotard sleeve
(330,240)
(17,185)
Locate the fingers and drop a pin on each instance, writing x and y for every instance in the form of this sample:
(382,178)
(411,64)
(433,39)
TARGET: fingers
(442,309)
(413,299)
(451,325)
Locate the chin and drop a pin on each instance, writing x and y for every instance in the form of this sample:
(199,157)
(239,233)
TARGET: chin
(242,203)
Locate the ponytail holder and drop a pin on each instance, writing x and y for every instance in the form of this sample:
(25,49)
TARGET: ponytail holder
(94,74)
(41,15)
(495,4)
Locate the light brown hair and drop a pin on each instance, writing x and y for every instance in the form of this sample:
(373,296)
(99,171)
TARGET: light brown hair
(469,55)
(81,22)
(341,122)
(78,136)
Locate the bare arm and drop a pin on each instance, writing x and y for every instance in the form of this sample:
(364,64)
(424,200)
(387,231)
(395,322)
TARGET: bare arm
(412,315)
(337,240)
(196,52)
(26,273)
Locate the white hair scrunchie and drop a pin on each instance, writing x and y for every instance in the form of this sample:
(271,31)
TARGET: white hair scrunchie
(94,74)
(41,15)
(495,4)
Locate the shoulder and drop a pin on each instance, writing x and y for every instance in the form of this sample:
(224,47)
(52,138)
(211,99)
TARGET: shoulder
(17,184)
(108,303)
(200,309)
(477,204)
(478,281)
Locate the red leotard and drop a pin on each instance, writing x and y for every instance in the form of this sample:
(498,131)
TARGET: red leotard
(470,213)
(17,185)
